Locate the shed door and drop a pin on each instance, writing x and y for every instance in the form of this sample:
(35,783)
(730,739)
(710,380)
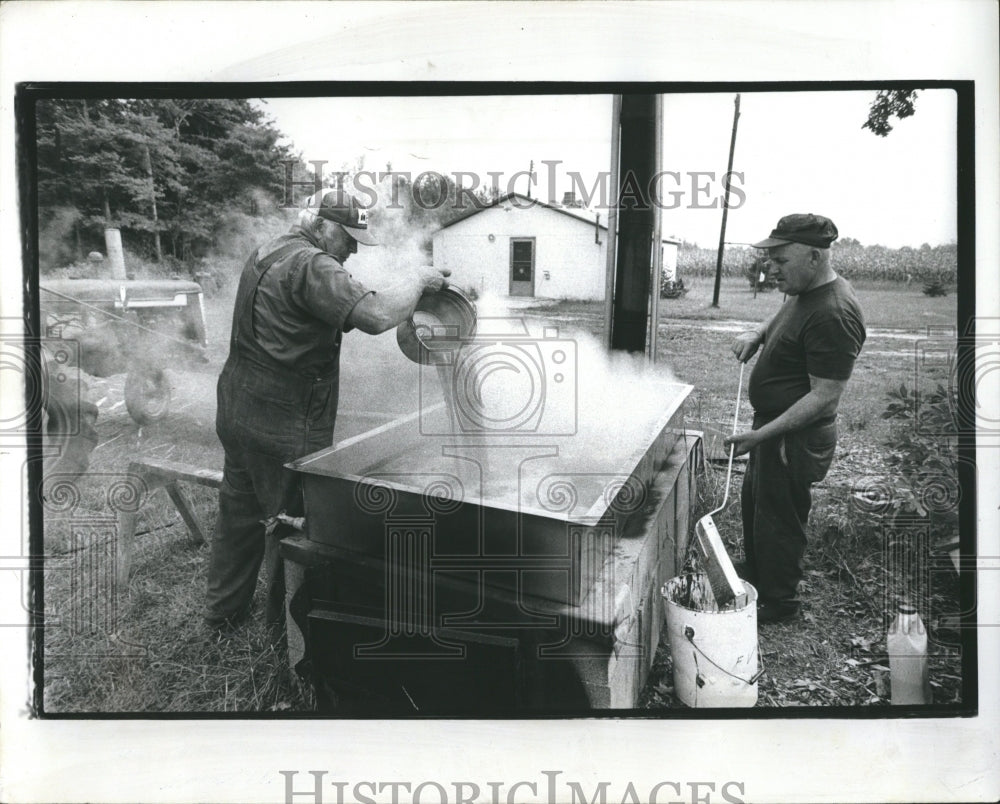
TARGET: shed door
(522,266)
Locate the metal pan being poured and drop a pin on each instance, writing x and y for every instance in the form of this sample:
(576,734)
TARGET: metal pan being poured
(440,324)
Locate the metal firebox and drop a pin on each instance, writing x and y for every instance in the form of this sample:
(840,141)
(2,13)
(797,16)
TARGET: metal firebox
(539,515)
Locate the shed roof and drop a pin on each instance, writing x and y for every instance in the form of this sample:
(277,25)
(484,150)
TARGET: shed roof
(578,214)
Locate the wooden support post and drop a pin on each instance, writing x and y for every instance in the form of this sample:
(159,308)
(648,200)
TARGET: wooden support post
(185,511)
(126,546)
(630,316)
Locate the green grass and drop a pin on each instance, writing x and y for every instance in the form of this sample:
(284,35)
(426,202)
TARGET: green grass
(885,305)
(847,586)
(162,658)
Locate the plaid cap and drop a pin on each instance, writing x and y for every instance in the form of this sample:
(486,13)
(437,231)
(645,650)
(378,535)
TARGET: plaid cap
(333,204)
(809,229)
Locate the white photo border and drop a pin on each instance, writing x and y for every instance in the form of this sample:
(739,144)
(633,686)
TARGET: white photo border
(800,760)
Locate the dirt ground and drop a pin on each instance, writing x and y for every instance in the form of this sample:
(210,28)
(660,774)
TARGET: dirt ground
(161,659)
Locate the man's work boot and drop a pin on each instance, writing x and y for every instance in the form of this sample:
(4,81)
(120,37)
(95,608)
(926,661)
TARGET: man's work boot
(777,611)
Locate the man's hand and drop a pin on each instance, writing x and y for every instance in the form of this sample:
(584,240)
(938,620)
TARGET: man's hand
(746,344)
(432,279)
(744,441)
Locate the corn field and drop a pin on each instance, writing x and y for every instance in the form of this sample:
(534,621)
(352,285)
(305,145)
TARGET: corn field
(850,259)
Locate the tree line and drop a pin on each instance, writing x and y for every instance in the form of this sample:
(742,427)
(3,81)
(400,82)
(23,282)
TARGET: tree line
(175,174)
(166,172)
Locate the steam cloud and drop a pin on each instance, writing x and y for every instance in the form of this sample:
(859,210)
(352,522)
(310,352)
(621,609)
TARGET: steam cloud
(615,399)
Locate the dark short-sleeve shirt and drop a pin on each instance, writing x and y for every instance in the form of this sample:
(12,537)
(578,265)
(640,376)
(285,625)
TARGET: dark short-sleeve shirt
(302,306)
(818,333)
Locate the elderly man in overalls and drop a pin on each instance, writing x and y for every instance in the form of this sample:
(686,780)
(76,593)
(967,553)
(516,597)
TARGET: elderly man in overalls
(277,394)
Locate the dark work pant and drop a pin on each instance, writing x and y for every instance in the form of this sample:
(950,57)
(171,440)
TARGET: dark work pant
(265,419)
(776,499)
(254,487)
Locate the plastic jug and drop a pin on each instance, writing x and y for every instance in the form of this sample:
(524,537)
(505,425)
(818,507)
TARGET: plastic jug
(907,645)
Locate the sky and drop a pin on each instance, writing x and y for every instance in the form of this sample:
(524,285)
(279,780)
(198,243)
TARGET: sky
(797,152)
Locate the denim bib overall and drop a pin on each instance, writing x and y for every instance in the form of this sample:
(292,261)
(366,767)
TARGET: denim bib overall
(268,414)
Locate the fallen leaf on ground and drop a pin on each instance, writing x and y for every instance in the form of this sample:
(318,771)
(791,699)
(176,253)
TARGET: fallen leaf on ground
(882,684)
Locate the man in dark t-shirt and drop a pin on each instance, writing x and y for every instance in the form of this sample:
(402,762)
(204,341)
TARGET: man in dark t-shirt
(809,349)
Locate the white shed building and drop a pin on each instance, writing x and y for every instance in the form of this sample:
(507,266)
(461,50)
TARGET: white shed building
(519,246)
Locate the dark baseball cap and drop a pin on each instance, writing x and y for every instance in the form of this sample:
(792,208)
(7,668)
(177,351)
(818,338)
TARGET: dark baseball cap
(341,207)
(808,229)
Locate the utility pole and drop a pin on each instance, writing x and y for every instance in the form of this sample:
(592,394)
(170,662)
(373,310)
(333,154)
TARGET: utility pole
(725,205)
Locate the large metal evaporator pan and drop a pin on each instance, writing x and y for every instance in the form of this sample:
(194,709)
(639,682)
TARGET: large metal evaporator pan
(515,513)
(440,322)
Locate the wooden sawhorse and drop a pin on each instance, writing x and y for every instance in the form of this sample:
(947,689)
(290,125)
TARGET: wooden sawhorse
(161,474)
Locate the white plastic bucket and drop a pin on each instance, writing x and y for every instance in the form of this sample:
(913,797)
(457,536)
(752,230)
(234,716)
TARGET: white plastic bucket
(714,653)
